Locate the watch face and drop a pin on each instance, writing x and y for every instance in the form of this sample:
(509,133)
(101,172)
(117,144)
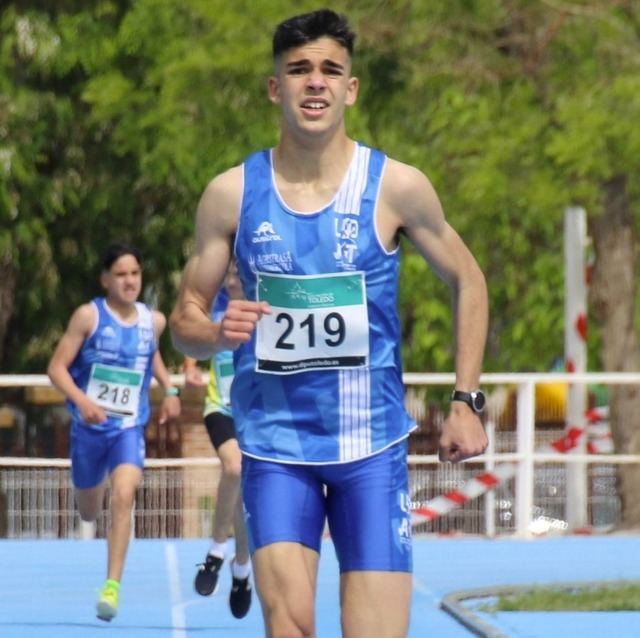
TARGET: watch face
(479,400)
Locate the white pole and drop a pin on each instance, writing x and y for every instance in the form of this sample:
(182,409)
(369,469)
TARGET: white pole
(575,304)
(490,496)
(526,416)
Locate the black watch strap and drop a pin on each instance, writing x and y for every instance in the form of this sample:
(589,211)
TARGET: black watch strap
(475,399)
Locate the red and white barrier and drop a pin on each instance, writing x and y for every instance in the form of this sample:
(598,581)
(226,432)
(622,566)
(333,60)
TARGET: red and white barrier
(600,442)
(473,488)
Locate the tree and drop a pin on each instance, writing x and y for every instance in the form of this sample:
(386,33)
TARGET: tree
(112,126)
(114,115)
(517,109)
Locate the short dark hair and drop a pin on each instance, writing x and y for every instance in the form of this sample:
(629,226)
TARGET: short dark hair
(119,249)
(307,27)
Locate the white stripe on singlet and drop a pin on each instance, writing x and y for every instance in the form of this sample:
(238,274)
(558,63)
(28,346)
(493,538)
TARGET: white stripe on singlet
(354,385)
(355,414)
(348,198)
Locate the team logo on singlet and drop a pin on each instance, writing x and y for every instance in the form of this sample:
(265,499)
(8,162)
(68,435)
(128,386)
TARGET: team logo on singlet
(264,233)
(347,230)
(271,262)
(145,336)
(108,342)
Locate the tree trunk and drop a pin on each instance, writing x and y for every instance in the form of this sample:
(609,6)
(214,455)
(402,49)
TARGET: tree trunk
(613,298)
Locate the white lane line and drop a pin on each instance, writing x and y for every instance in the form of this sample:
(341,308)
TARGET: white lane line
(424,590)
(178,620)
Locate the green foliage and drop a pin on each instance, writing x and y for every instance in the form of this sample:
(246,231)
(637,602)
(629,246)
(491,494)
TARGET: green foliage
(115,114)
(515,110)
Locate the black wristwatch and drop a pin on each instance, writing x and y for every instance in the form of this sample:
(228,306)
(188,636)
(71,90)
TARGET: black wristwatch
(475,399)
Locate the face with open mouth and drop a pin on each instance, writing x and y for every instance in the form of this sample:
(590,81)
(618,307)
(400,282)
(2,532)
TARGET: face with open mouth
(312,85)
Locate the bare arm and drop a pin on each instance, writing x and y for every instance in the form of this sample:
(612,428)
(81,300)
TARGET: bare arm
(80,326)
(170,406)
(192,373)
(411,205)
(193,332)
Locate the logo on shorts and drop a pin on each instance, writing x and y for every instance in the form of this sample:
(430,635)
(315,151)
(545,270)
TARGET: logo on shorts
(404,524)
(264,233)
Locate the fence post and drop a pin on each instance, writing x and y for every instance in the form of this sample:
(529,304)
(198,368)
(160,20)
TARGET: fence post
(490,497)
(525,443)
(575,320)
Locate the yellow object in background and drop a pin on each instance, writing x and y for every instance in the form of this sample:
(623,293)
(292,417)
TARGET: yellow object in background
(550,398)
(7,417)
(551,401)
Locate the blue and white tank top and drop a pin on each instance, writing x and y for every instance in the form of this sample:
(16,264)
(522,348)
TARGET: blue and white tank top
(218,398)
(321,379)
(114,367)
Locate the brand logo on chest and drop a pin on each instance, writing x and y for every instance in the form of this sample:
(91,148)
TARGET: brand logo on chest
(264,233)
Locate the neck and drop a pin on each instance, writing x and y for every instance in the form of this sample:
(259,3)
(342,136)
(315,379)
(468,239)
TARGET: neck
(125,311)
(312,160)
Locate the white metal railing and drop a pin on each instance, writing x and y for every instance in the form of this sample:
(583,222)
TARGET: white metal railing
(525,456)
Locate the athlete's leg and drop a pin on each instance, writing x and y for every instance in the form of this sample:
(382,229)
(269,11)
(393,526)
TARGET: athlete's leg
(126,460)
(286,576)
(285,518)
(125,480)
(240,533)
(375,604)
(229,511)
(222,434)
(228,489)
(240,595)
(90,501)
(89,451)
(369,518)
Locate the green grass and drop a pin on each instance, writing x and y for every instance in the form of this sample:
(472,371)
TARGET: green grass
(615,597)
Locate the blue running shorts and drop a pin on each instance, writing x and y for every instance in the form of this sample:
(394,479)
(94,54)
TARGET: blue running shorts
(96,453)
(365,502)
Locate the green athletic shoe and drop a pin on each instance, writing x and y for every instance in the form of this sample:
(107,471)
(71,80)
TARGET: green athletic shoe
(107,604)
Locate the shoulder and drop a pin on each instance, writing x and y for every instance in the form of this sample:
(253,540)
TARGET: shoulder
(409,196)
(403,183)
(223,193)
(83,319)
(159,322)
(219,206)
(85,314)
(226,183)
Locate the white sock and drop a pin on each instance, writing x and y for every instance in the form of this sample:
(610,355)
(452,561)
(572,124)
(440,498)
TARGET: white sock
(240,571)
(218,549)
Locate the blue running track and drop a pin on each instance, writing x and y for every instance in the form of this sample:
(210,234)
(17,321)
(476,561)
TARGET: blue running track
(48,588)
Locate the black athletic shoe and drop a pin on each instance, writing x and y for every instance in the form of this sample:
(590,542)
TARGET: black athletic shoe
(240,596)
(206,580)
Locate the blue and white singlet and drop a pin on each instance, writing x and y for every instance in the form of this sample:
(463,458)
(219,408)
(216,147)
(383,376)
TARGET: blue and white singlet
(321,380)
(114,367)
